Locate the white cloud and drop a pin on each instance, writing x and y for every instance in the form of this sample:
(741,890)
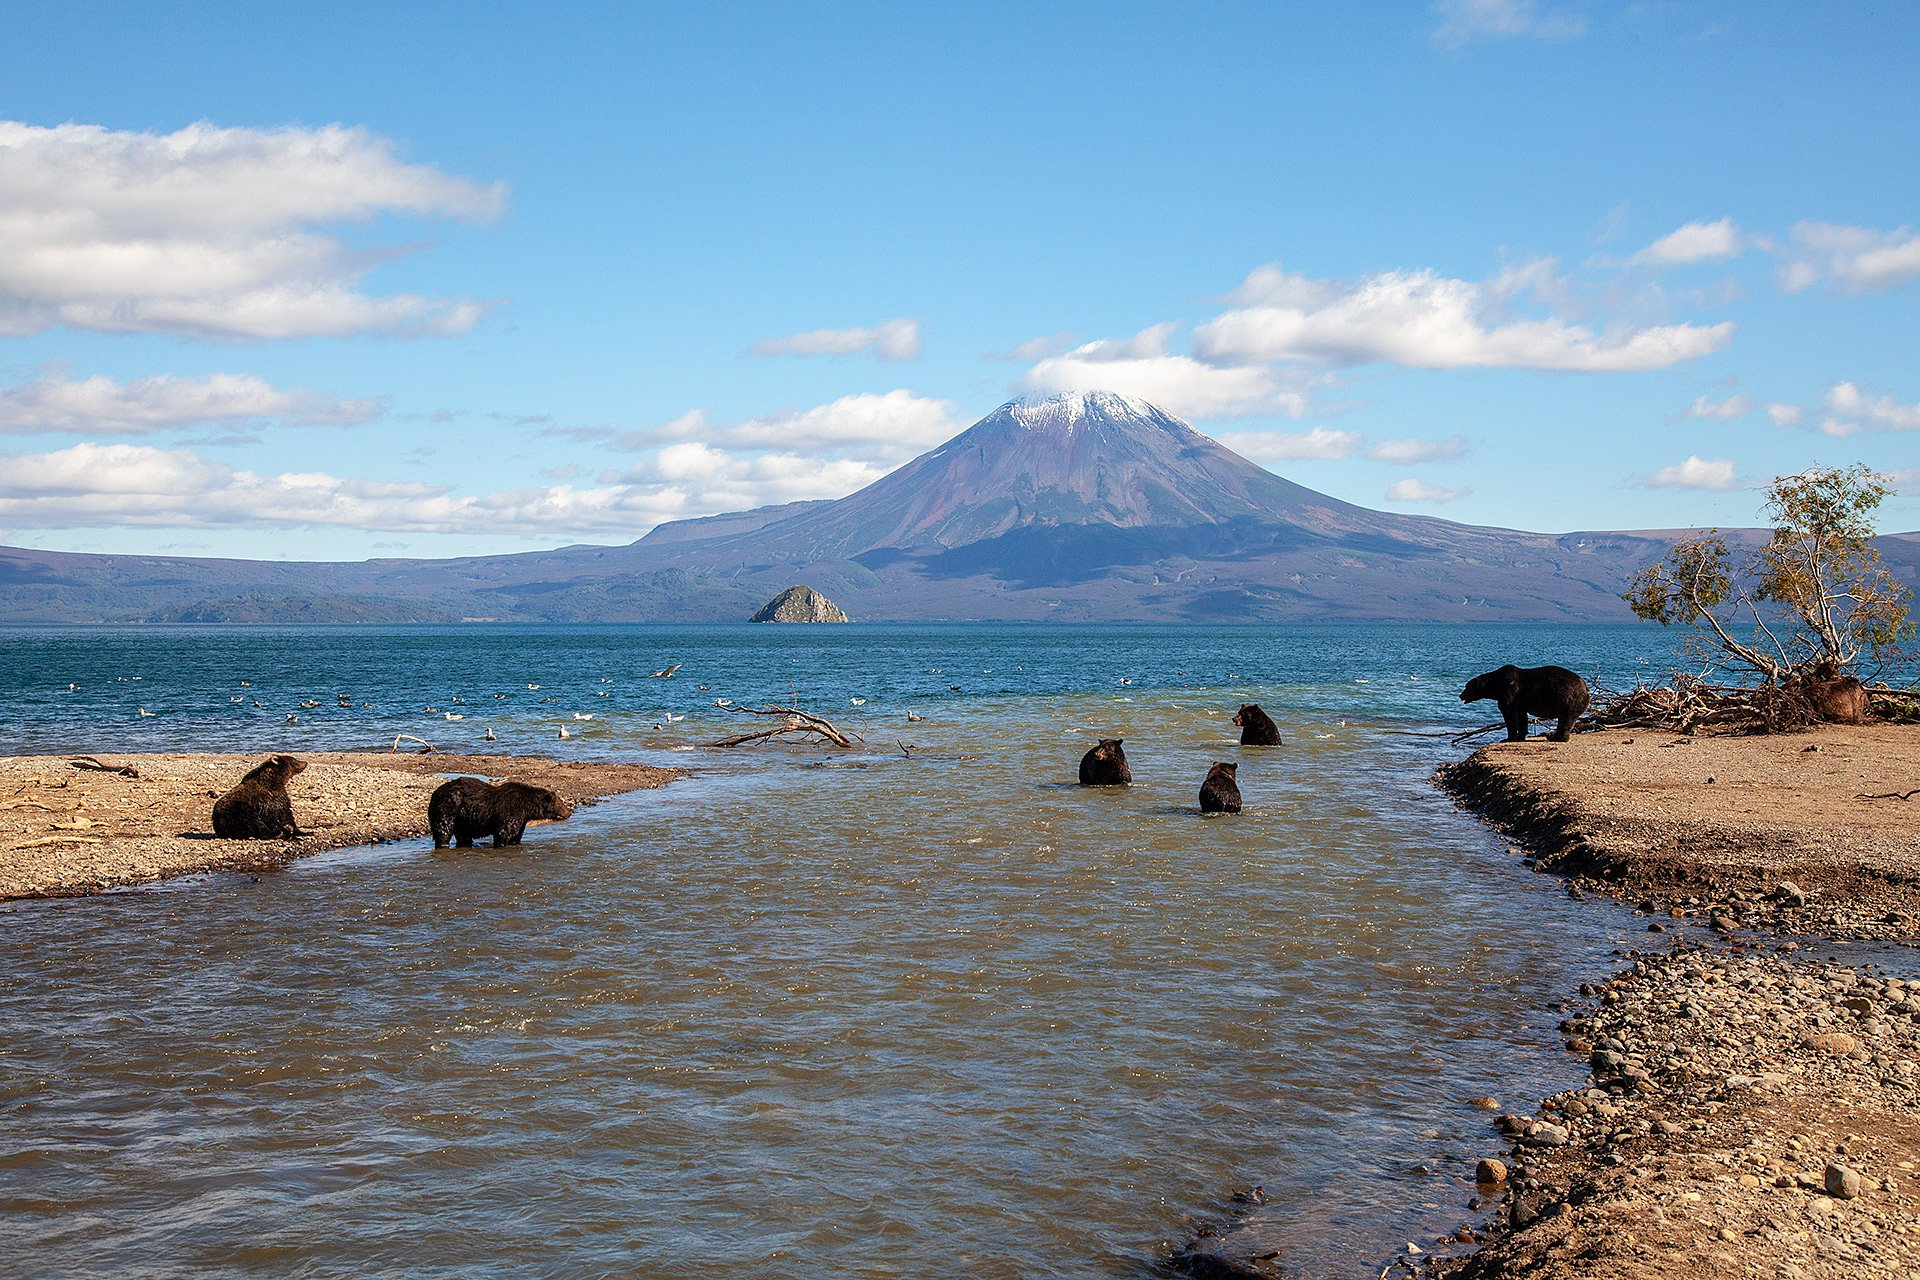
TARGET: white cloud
(213,233)
(1464,21)
(1734,406)
(1266,446)
(1421,491)
(1407,453)
(1696,473)
(1853,259)
(1040,348)
(1148,344)
(895,423)
(1849,409)
(1423,320)
(1784,415)
(892,340)
(100,406)
(1695,242)
(94,485)
(1181,385)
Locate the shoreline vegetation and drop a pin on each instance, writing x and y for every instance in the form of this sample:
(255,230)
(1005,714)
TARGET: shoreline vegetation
(1750,1111)
(69,830)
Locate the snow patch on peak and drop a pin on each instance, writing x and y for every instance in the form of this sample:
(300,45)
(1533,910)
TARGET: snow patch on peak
(1067,408)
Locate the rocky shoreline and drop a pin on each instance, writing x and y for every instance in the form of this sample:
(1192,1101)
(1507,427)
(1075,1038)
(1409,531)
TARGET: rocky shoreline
(1749,1112)
(68,830)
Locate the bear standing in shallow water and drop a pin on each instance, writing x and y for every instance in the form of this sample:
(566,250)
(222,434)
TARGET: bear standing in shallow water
(1106,765)
(464,809)
(258,809)
(1531,691)
(1257,728)
(1220,793)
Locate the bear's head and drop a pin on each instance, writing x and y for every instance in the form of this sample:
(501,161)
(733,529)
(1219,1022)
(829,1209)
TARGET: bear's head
(1226,769)
(1491,684)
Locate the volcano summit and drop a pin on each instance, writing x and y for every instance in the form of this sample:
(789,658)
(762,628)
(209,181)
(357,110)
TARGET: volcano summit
(1085,507)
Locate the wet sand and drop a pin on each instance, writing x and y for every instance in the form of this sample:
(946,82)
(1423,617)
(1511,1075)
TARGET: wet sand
(67,831)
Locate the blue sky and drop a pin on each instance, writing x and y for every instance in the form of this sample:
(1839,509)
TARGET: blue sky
(365,280)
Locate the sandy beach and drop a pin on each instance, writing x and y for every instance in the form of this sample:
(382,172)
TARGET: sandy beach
(1749,1111)
(68,830)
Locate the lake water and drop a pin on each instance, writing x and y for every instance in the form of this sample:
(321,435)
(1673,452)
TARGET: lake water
(808,1013)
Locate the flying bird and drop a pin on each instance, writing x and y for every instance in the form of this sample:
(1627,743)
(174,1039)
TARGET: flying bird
(666,672)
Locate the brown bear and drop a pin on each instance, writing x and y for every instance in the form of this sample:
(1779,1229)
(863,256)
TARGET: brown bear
(258,809)
(1106,765)
(1834,697)
(1531,691)
(1220,793)
(461,810)
(1257,728)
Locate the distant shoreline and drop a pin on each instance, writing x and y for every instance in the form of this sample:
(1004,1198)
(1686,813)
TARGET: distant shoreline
(69,832)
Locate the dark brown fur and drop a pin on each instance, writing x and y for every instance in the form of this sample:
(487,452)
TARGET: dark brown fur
(1257,728)
(258,809)
(1106,765)
(1531,691)
(1220,793)
(1841,700)
(465,809)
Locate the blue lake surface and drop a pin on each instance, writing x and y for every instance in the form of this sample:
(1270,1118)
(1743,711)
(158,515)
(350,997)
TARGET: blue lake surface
(807,1012)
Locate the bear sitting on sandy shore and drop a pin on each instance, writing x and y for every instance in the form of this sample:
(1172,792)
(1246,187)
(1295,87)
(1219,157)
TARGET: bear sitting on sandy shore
(464,809)
(1106,765)
(258,808)
(1257,728)
(1531,691)
(1835,698)
(1220,793)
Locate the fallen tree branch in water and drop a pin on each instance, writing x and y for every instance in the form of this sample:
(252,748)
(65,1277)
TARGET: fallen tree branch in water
(794,721)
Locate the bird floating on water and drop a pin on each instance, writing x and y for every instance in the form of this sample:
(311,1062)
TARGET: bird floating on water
(858,702)
(533,686)
(292,718)
(671,718)
(309,704)
(915,717)
(148,714)
(490,737)
(723,702)
(454,715)
(583,715)
(564,733)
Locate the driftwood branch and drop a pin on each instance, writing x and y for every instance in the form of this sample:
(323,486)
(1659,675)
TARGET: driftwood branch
(1890,795)
(88,762)
(407,737)
(793,721)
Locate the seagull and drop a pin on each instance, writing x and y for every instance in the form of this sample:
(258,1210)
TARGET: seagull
(533,686)
(498,696)
(604,694)
(666,672)
(915,717)
(258,703)
(706,686)
(672,718)
(490,737)
(579,715)
(246,684)
(606,679)
(430,710)
(858,702)
(309,704)
(148,714)
(954,687)
(454,715)
(723,702)
(236,698)
(71,686)
(292,718)
(459,699)
(564,733)
(1126,680)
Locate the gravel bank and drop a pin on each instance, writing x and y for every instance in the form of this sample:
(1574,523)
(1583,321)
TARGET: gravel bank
(66,831)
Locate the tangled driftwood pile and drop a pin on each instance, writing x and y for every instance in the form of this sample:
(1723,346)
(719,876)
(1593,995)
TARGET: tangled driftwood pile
(1691,704)
(794,723)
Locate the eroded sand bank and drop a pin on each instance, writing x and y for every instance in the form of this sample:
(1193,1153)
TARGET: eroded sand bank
(66,830)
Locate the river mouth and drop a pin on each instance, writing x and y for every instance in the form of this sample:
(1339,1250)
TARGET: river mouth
(938,1014)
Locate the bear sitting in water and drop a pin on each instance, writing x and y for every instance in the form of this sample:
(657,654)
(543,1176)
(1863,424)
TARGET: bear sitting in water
(464,809)
(1220,793)
(258,808)
(1106,765)
(1257,728)
(1531,691)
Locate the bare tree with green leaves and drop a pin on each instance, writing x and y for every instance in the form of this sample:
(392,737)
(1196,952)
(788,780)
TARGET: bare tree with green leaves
(1816,596)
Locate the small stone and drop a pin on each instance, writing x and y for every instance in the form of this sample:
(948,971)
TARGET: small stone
(1547,1135)
(1488,1172)
(1842,1183)
(1723,924)
(1485,1104)
(1838,1043)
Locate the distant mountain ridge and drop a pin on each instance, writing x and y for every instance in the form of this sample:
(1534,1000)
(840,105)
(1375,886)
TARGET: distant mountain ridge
(1084,507)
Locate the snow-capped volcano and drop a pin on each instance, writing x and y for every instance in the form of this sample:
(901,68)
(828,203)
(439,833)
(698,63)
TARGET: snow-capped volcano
(1080,458)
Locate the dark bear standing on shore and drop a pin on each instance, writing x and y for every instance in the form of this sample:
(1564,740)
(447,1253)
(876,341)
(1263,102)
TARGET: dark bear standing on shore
(1835,698)
(1257,728)
(258,809)
(1106,765)
(1531,691)
(1220,793)
(464,809)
